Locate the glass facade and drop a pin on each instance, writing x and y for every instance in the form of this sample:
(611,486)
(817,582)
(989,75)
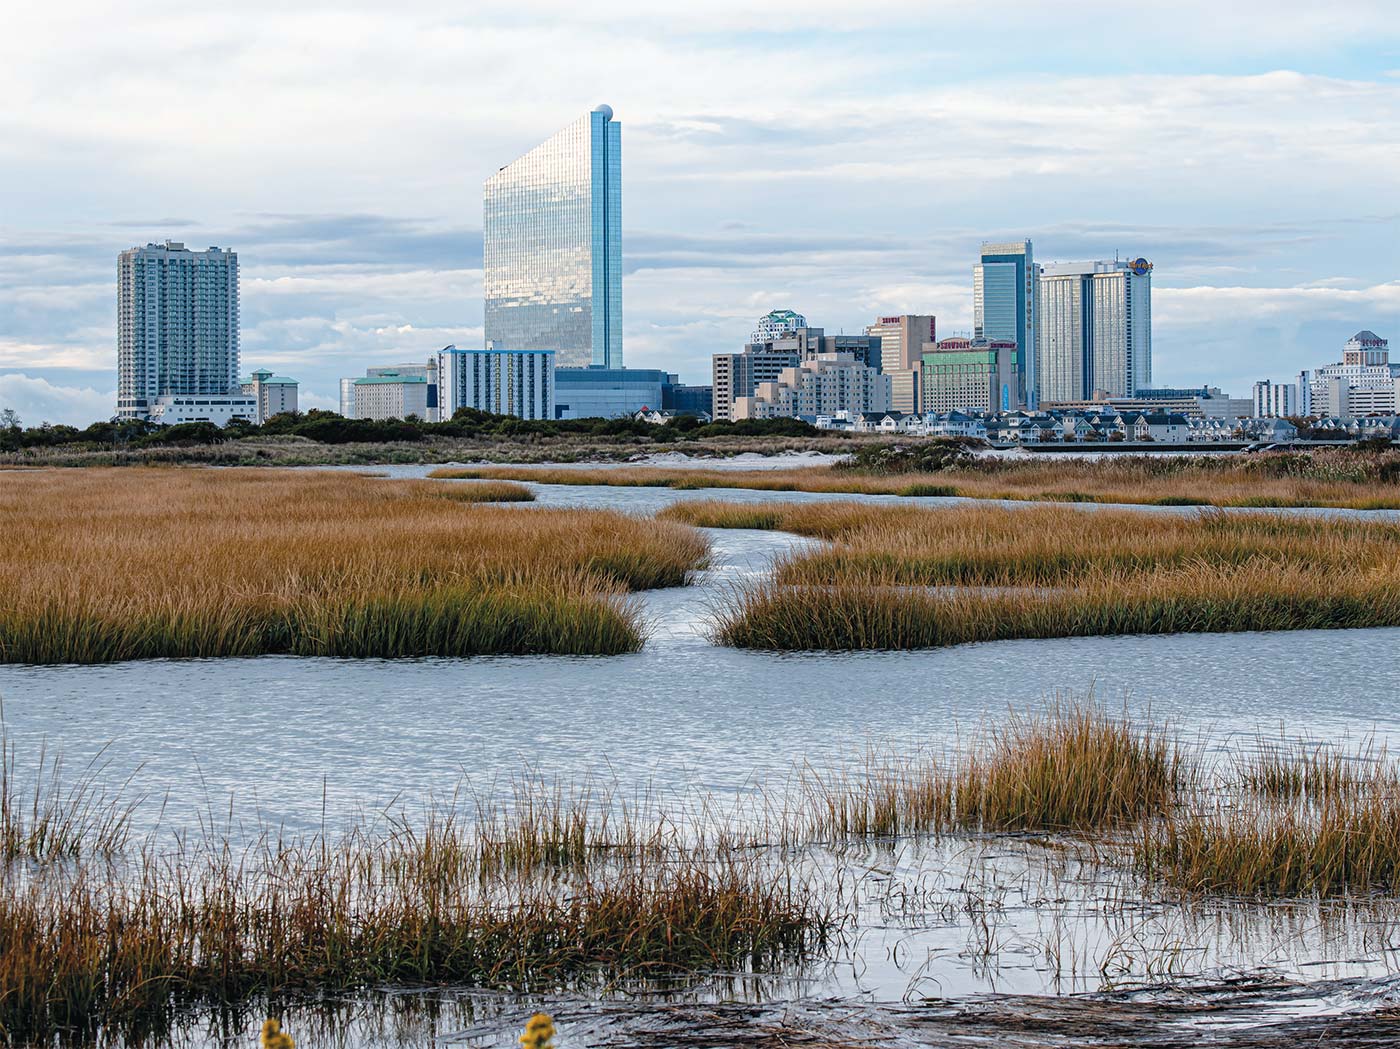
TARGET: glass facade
(608,393)
(1004,308)
(552,246)
(1095,324)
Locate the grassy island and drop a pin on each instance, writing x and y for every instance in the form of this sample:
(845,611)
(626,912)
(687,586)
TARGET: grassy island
(900,577)
(105,565)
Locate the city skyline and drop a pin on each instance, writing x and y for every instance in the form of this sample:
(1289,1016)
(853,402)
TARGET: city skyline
(1230,159)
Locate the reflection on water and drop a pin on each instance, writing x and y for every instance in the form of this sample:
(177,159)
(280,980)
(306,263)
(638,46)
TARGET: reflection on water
(283,735)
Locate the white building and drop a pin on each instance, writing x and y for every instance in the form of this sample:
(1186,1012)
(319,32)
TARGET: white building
(359,401)
(177,326)
(1275,400)
(390,396)
(775,324)
(502,382)
(207,408)
(1094,329)
(828,384)
(274,394)
(1362,383)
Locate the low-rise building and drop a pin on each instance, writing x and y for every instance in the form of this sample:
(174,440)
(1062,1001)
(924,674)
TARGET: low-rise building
(373,403)
(608,393)
(826,385)
(219,409)
(274,394)
(688,400)
(390,396)
(1199,402)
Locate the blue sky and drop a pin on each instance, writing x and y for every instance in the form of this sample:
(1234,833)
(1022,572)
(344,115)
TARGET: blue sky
(842,160)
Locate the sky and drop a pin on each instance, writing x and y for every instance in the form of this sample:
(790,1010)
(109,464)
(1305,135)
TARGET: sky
(843,160)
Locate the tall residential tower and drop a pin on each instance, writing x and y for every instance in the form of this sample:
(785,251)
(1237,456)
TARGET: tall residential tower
(177,330)
(1004,309)
(552,245)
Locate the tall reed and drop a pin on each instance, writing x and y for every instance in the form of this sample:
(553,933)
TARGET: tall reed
(106,565)
(548,895)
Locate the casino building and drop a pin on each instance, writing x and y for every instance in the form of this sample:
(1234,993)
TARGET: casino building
(1094,329)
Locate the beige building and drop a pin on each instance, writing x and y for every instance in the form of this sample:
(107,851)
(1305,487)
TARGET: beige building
(902,343)
(389,395)
(963,375)
(828,384)
(274,394)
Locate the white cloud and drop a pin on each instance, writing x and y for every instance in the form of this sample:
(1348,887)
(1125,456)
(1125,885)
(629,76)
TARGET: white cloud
(37,400)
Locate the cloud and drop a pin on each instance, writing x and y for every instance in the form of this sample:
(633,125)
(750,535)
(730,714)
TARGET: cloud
(845,160)
(37,400)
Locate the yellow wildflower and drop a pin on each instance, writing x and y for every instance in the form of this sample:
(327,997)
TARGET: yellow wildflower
(273,1037)
(538,1032)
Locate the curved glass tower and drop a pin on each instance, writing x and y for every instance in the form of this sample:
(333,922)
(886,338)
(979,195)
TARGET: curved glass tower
(552,245)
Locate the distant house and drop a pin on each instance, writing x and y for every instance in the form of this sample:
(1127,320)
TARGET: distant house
(1170,428)
(665,416)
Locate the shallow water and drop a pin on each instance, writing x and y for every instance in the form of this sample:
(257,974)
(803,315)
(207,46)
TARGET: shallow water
(300,741)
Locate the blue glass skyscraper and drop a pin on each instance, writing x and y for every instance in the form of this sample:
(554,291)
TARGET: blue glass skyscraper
(552,246)
(1003,310)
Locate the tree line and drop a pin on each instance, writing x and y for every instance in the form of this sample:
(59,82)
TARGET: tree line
(331,428)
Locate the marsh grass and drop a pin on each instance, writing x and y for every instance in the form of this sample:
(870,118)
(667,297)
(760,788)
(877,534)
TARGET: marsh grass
(894,578)
(1298,769)
(488,492)
(106,565)
(540,885)
(1071,767)
(1317,478)
(1345,843)
(550,892)
(46,821)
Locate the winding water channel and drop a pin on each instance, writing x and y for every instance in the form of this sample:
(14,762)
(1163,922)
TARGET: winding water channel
(298,741)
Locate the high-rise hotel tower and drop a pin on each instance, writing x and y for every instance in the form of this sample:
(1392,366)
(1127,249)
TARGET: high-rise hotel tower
(177,327)
(552,232)
(1095,321)
(1003,309)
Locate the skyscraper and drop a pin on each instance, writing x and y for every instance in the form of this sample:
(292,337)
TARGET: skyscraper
(177,327)
(1095,329)
(1004,308)
(552,246)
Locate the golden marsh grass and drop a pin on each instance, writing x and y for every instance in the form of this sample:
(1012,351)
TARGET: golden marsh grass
(104,565)
(1072,767)
(897,577)
(1330,478)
